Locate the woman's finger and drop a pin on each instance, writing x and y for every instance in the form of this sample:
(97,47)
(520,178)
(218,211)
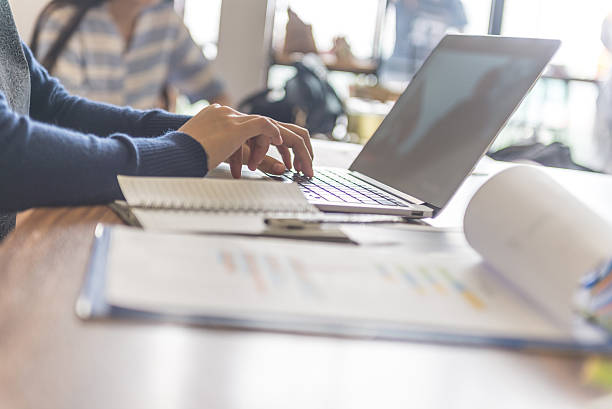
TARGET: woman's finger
(285,154)
(302,132)
(254,125)
(235,162)
(271,165)
(259,146)
(268,164)
(302,161)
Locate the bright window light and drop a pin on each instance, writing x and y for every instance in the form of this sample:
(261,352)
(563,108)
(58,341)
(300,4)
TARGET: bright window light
(576,23)
(202,18)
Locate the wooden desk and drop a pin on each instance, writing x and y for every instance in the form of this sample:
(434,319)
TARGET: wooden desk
(51,359)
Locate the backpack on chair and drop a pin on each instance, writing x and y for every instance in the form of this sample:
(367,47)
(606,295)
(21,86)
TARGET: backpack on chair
(307,100)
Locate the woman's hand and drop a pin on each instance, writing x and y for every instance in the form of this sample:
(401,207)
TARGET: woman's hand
(222,132)
(271,165)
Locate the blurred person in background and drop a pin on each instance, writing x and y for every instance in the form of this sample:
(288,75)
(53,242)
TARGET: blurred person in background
(419,27)
(603,120)
(136,53)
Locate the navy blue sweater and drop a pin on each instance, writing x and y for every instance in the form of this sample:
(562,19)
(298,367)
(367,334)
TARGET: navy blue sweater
(68,150)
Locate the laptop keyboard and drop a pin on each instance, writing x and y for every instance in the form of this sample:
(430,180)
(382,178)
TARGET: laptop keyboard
(336,186)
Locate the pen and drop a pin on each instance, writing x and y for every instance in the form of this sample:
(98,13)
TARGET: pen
(307,220)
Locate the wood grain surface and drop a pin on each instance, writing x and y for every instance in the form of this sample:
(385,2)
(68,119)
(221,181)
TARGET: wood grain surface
(43,263)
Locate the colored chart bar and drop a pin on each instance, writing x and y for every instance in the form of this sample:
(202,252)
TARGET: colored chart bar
(275,269)
(302,275)
(470,297)
(241,262)
(384,272)
(430,278)
(255,272)
(227,260)
(409,278)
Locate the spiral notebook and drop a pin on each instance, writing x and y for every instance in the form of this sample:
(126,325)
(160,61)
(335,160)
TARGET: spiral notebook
(210,205)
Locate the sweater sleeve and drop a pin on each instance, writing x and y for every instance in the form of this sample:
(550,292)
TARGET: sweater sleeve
(46,164)
(52,104)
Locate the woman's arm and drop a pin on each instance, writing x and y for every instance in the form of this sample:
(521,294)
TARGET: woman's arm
(44,165)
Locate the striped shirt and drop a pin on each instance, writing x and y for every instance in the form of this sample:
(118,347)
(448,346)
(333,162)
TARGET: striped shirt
(97,65)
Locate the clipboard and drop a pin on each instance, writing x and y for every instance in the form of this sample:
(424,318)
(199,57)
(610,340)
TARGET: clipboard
(92,304)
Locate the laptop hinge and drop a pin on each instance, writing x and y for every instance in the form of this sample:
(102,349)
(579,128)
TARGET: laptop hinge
(386,188)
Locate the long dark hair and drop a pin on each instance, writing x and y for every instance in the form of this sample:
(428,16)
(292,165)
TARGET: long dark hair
(81,8)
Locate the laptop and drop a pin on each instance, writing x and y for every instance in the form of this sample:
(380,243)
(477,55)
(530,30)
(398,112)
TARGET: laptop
(440,127)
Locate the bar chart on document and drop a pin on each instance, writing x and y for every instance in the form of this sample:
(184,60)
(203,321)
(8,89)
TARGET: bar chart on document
(337,283)
(271,273)
(435,290)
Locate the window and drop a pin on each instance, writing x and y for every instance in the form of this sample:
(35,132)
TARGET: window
(357,22)
(576,24)
(202,18)
(412,29)
(561,108)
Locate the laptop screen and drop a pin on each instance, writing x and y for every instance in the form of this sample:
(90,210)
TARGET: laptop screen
(451,112)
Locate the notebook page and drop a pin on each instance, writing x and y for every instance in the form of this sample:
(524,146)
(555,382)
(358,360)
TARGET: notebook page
(538,235)
(214,195)
(289,280)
